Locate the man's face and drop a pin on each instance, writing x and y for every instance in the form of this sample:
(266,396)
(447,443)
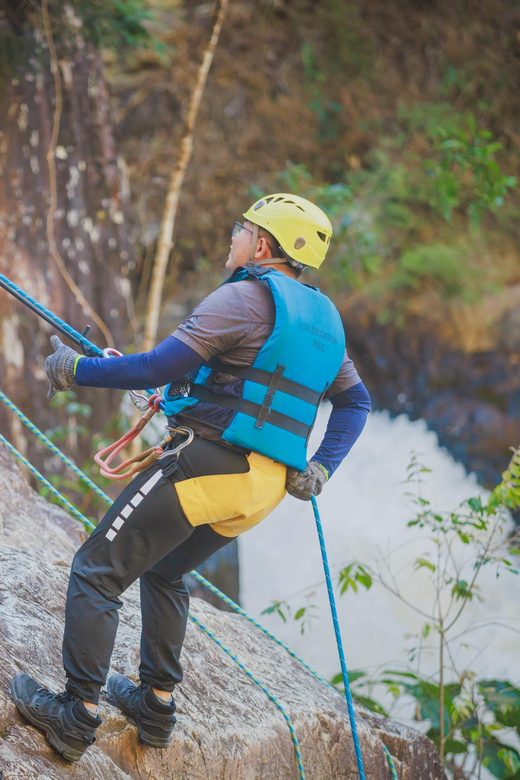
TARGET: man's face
(240,250)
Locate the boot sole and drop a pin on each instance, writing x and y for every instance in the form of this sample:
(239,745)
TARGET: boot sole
(69,753)
(148,739)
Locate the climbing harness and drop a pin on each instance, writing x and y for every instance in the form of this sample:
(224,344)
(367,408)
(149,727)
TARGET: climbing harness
(155,404)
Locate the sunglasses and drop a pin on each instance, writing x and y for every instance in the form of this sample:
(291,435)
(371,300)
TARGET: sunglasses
(237,227)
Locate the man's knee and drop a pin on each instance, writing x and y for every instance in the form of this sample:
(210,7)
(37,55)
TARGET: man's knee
(89,579)
(158,580)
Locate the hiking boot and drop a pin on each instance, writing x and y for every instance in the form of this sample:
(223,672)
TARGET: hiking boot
(155,720)
(68,725)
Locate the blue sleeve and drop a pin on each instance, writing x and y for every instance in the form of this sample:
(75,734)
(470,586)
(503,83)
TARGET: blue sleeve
(349,414)
(168,361)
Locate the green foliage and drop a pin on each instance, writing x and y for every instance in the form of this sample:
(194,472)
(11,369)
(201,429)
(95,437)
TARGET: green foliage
(66,436)
(361,684)
(303,615)
(109,24)
(116,24)
(353,575)
(436,175)
(352,50)
(462,172)
(476,713)
(77,417)
(446,268)
(279,608)
(469,720)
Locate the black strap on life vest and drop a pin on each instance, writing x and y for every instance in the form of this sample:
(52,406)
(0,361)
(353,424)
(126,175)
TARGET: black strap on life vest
(265,378)
(274,385)
(202,393)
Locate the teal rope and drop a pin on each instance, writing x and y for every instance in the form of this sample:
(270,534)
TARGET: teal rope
(56,493)
(87,522)
(258,625)
(388,755)
(99,492)
(48,443)
(262,687)
(213,589)
(203,581)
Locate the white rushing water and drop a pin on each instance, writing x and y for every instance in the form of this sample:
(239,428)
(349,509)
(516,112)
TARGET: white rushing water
(365,512)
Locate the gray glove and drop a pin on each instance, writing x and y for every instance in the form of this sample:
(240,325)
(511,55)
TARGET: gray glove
(60,367)
(304,484)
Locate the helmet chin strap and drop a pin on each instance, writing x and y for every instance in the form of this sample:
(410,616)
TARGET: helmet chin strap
(271,260)
(254,242)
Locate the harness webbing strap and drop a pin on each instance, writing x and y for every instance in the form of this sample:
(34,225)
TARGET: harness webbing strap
(262,377)
(274,385)
(277,419)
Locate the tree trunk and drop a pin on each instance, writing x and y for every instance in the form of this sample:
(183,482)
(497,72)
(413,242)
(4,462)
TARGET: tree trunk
(90,230)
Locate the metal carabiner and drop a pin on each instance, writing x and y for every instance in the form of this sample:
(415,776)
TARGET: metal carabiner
(179,429)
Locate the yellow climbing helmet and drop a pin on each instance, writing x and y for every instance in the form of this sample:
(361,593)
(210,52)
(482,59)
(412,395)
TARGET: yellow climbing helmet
(302,229)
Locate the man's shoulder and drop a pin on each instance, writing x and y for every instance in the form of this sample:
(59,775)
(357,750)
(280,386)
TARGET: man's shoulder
(238,297)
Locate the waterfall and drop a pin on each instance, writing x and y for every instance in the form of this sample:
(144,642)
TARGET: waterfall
(365,512)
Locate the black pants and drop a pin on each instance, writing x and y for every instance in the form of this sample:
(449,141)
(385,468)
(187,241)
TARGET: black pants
(145,534)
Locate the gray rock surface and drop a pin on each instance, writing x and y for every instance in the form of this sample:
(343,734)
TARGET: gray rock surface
(227,727)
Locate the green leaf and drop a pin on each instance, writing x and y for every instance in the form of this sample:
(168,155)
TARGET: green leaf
(461,590)
(424,563)
(500,761)
(503,699)
(371,704)
(277,607)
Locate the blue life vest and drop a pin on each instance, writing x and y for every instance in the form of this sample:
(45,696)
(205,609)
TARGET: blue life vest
(272,405)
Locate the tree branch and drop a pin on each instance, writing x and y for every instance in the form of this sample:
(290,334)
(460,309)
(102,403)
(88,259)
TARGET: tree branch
(177,178)
(80,298)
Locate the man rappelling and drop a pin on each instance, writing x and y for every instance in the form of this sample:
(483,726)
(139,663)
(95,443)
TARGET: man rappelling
(245,373)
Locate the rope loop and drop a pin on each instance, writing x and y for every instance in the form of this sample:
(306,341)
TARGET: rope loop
(154,402)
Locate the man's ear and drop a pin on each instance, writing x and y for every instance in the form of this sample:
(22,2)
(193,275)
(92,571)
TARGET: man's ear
(262,248)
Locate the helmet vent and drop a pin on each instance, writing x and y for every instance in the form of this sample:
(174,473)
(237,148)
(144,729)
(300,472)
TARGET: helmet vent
(299,243)
(322,236)
(259,205)
(279,199)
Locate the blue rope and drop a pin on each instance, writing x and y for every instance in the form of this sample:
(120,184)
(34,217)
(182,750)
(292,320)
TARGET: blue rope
(49,317)
(262,687)
(339,642)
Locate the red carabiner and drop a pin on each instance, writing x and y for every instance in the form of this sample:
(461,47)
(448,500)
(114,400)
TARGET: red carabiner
(113,449)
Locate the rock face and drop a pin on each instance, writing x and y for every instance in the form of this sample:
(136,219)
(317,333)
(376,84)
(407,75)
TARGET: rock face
(469,394)
(227,727)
